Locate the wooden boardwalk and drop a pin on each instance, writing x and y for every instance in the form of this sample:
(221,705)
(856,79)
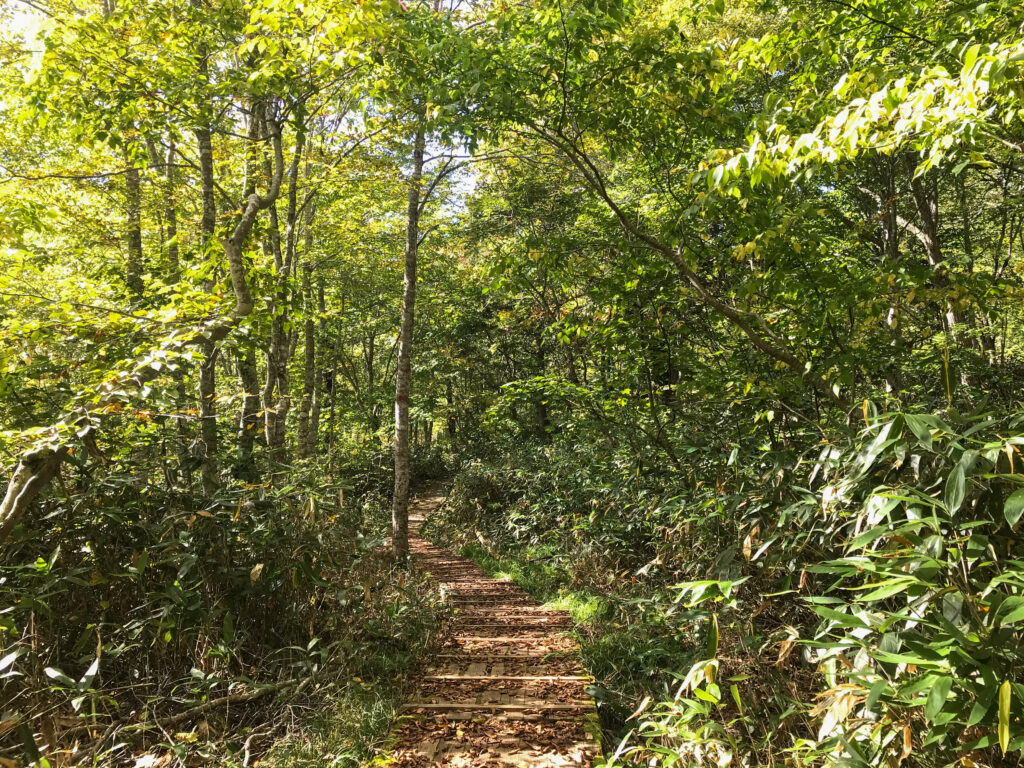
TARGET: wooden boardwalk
(507,690)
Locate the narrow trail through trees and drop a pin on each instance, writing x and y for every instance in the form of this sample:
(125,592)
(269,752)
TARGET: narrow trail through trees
(507,689)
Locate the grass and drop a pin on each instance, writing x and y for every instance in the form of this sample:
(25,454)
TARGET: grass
(541,575)
(350,724)
(342,733)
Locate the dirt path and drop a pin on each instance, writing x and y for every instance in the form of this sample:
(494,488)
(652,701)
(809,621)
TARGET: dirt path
(508,689)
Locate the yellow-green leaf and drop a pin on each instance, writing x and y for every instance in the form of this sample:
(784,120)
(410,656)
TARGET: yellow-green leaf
(713,636)
(1004,715)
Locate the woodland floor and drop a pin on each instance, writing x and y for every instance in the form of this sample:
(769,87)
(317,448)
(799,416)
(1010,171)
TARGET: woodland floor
(507,689)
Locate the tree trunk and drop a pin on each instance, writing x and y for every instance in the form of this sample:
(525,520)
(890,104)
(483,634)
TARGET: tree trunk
(174,277)
(452,421)
(208,417)
(249,417)
(306,435)
(133,198)
(403,375)
(926,199)
(276,385)
(34,471)
(321,373)
(332,388)
(369,356)
(276,410)
(207,373)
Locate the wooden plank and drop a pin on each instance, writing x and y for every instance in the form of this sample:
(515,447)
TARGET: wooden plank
(545,621)
(539,678)
(464,706)
(473,656)
(501,638)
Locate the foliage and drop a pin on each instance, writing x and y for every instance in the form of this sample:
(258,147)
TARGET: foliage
(718,321)
(148,602)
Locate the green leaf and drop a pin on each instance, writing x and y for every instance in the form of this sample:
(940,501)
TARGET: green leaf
(1015,610)
(90,674)
(703,695)
(736,697)
(10,658)
(843,619)
(937,696)
(919,426)
(956,487)
(713,636)
(886,589)
(981,707)
(1004,715)
(1014,507)
(867,537)
(971,55)
(877,689)
(55,674)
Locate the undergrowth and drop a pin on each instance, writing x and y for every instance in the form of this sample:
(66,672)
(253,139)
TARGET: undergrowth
(859,602)
(142,624)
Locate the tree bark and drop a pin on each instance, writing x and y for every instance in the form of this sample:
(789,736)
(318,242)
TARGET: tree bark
(208,417)
(322,373)
(184,474)
(276,410)
(249,416)
(207,445)
(34,471)
(451,421)
(133,199)
(403,374)
(306,435)
(926,199)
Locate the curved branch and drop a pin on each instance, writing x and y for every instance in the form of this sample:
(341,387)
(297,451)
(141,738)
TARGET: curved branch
(761,337)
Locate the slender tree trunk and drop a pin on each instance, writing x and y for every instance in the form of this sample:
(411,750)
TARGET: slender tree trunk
(208,416)
(208,222)
(171,214)
(276,342)
(207,369)
(542,418)
(926,199)
(306,435)
(276,410)
(133,198)
(403,375)
(332,388)
(249,417)
(369,359)
(174,277)
(321,373)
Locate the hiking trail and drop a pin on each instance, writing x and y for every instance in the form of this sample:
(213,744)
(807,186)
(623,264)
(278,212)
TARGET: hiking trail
(507,689)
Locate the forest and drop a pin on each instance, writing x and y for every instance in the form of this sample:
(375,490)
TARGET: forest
(691,333)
